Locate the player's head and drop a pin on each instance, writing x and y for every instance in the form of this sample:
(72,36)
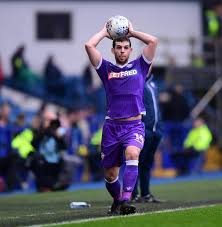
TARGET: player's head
(121,50)
(198,122)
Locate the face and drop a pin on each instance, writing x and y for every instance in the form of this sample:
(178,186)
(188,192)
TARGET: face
(198,122)
(122,52)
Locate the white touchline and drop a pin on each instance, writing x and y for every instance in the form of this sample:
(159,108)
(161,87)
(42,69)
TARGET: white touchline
(133,215)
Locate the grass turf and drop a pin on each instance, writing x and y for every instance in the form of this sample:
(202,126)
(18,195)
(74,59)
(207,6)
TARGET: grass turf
(43,208)
(195,217)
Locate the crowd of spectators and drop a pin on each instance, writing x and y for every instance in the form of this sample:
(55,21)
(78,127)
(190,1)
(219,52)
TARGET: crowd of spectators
(53,151)
(53,85)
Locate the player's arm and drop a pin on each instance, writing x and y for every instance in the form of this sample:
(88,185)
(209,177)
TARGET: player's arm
(90,46)
(150,41)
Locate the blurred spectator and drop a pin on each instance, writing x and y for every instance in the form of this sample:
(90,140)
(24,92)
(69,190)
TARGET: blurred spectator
(24,147)
(75,134)
(213,19)
(5,111)
(77,151)
(53,77)
(20,120)
(48,162)
(212,30)
(20,69)
(73,162)
(19,124)
(22,144)
(43,119)
(48,116)
(18,61)
(195,145)
(174,104)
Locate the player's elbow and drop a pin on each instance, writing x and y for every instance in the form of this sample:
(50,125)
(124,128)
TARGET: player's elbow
(155,41)
(87,46)
(90,45)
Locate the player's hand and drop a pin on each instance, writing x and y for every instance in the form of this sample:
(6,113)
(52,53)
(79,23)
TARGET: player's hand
(131,30)
(106,34)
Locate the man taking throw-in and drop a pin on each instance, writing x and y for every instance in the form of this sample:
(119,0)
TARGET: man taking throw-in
(123,130)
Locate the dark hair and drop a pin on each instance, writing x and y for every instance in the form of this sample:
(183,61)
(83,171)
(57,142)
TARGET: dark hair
(121,39)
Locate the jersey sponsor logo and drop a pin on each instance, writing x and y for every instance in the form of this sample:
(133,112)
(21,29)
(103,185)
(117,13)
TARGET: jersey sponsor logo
(139,138)
(122,74)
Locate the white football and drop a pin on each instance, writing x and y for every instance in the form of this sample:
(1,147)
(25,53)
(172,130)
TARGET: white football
(117,26)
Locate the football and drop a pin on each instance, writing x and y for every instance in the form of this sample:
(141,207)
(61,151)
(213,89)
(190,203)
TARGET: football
(117,26)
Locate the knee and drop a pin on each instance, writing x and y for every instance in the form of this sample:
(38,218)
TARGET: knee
(111,175)
(132,153)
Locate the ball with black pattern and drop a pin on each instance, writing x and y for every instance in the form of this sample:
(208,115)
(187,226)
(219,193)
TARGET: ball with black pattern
(117,26)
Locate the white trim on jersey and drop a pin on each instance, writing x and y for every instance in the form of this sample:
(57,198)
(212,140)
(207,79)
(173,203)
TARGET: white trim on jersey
(121,66)
(146,60)
(100,63)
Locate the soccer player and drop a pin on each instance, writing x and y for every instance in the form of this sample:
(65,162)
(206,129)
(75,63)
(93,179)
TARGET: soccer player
(123,130)
(153,134)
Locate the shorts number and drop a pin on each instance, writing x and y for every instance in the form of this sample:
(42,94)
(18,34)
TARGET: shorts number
(139,138)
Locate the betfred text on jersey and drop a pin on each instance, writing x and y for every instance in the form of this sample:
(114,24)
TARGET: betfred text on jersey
(112,75)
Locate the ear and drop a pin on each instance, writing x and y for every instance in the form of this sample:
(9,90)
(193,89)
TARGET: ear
(112,50)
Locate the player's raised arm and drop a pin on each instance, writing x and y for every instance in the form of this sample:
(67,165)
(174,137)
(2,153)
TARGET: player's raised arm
(90,46)
(150,41)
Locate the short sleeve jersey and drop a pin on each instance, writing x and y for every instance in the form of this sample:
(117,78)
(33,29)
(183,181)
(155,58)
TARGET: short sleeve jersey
(124,87)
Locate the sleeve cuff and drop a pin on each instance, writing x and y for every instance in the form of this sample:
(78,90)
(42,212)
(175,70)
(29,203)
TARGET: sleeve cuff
(100,63)
(146,60)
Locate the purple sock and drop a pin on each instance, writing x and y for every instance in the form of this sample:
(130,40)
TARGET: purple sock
(114,189)
(129,179)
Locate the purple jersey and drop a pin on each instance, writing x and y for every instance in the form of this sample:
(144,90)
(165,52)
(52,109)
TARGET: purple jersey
(124,87)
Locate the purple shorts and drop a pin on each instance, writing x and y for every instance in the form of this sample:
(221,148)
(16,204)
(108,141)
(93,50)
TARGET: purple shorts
(117,135)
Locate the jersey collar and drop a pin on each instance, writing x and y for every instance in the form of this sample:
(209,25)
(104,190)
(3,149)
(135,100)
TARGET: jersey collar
(121,66)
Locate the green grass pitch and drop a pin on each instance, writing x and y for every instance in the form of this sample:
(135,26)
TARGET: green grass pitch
(193,217)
